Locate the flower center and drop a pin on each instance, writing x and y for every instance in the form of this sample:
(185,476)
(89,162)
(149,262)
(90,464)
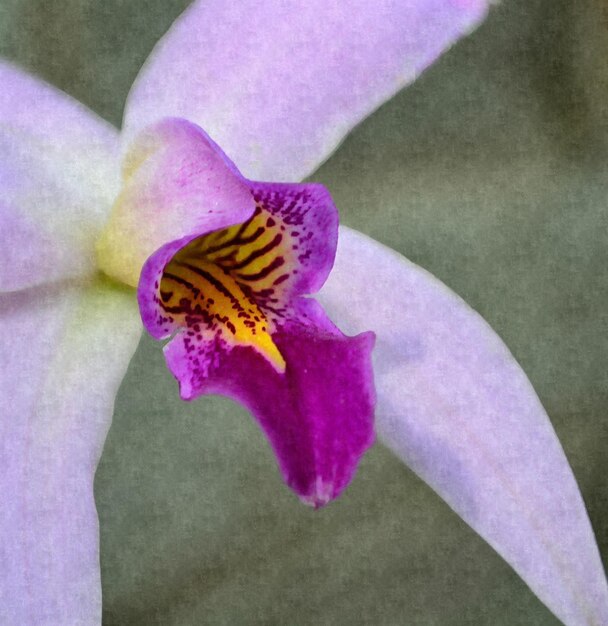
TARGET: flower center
(221,286)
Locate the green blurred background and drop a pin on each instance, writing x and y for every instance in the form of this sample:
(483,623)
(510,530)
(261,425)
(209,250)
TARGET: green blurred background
(490,172)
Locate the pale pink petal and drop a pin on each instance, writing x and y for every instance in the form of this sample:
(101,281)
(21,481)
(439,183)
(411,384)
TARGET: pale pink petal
(63,354)
(456,407)
(59,173)
(279,84)
(176,182)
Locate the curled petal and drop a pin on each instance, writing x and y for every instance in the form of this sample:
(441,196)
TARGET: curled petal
(211,272)
(58,174)
(456,407)
(232,299)
(279,85)
(307,219)
(285,249)
(64,351)
(176,182)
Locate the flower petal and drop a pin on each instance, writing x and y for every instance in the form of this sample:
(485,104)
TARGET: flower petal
(231,297)
(284,249)
(308,221)
(216,275)
(64,351)
(58,174)
(456,407)
(277,86)
(317,415)
(176,182)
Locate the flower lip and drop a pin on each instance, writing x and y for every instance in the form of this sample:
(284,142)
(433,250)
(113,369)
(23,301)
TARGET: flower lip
(231,295)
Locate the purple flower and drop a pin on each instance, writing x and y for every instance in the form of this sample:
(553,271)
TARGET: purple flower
(231,290)
(451,400)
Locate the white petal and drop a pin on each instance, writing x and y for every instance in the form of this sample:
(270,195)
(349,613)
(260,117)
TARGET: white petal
(59,174)
(279,84)
(456,407)
(64,352)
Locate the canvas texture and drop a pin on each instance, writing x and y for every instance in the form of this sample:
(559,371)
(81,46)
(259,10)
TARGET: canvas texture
(490,172)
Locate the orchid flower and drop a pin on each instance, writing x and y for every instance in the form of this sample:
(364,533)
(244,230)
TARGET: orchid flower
(227,262)
(451,401)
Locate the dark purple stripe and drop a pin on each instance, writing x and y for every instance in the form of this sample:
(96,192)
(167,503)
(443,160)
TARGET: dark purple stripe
(281,279)
(226,257)
(278,262)
(218,234)
(258,253)
(213,281)
(236,241)
(243,227)
(182,281)
(172,309)
(249,221)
